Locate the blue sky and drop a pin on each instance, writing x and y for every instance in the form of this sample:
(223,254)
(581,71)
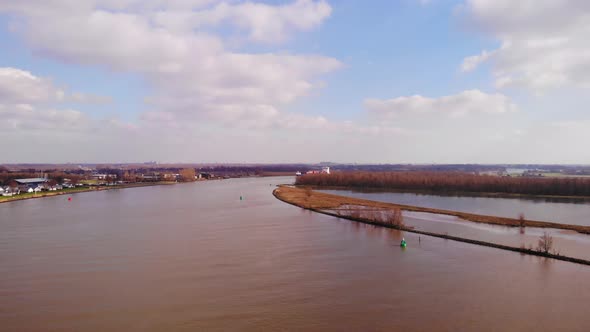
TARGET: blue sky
(392,48)
(466,81)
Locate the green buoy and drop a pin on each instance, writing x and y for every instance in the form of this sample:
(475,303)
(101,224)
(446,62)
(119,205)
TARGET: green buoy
(403,244)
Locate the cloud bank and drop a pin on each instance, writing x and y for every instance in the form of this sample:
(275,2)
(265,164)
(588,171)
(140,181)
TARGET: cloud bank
(543,43)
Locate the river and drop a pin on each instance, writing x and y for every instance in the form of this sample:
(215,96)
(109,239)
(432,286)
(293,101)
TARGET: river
(194,257)
(559,210)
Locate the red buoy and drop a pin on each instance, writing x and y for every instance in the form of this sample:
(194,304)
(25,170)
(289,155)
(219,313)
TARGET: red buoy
(69,198)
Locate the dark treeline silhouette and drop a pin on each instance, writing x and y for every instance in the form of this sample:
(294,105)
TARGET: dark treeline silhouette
(451,182)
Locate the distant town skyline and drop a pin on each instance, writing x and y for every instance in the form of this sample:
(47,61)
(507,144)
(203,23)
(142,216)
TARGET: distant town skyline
(207,81)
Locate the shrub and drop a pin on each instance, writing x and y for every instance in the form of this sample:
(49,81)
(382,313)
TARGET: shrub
(545,243)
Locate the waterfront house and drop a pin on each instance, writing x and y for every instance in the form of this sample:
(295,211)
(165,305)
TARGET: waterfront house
(206,176)
(151,177)
(8,191)
(25,184)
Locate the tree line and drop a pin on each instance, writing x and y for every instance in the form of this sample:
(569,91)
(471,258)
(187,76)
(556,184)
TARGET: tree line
(451,182)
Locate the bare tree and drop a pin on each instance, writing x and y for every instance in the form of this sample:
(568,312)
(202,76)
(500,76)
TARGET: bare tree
(521,219)
(370,215)
(545,243)
(396,217)
(451,181)
(355,212)
(521,222)
(187,174)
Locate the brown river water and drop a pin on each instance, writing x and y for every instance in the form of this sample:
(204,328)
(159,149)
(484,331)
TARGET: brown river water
(193,257)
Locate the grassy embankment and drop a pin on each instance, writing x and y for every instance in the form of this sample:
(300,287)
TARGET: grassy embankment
(270,173)
(43,194)
(325,203)
(313,200)
(67,191)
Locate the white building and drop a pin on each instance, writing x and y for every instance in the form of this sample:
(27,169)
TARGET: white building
(326,170)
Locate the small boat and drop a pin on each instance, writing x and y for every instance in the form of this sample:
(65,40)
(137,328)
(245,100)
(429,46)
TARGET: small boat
(298,174)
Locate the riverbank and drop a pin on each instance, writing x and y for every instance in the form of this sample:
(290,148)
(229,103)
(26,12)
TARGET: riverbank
(327,204)
(70,191)
(310,199)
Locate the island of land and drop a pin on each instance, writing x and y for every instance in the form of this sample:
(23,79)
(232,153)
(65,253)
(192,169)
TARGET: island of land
(383,214)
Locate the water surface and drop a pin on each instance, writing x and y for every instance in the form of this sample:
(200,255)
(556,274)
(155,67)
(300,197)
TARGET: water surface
(565,211)
(194,257)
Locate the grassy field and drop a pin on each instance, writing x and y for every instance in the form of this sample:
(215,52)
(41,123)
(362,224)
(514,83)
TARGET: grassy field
(4,199)
(317,201)
(43,194)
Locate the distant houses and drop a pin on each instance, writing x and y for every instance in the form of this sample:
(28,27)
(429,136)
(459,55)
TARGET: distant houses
(6,191)
(205,176)
(9,190)
(31,182)
(30,185)
(325,170)
(99,176)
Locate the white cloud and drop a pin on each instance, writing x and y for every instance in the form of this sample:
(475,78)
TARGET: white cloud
(21,87)
(544,43)
(24,117)
(30,104)
(85,98)
(173,45)
(263,23)
(470,63)
(461,104)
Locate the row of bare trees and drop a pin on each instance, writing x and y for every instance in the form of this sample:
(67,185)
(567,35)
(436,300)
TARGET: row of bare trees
(451,182)
(386,216)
